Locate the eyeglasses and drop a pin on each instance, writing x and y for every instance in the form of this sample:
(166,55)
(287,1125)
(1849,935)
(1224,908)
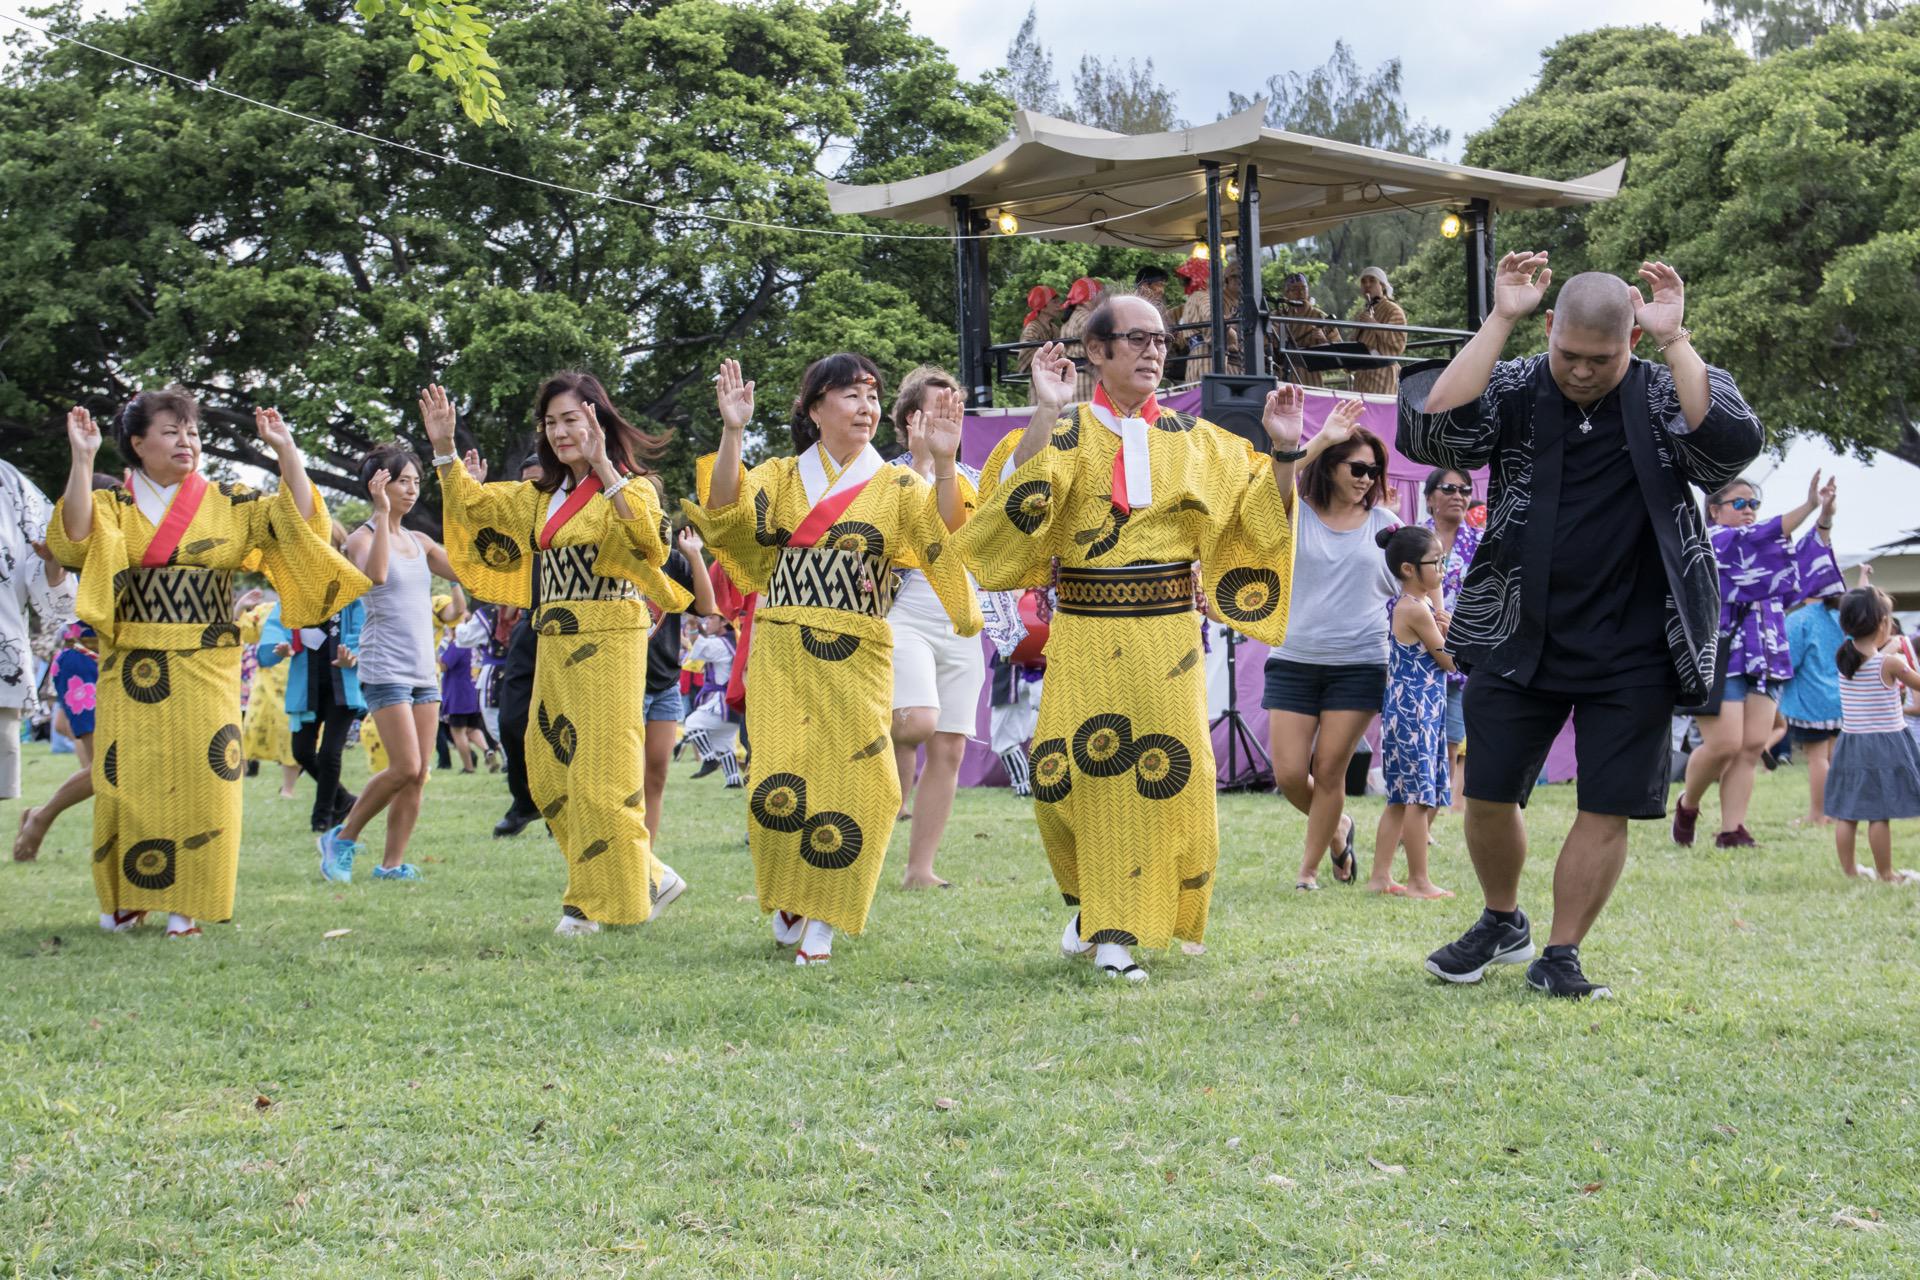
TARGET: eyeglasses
(1366,470)
(1457,490)
(1141,339)
(1435,563)
(1742,504)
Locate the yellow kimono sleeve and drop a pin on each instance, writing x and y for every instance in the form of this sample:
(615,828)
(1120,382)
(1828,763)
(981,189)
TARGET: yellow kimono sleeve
(745,535)
(251,622)
(1009,541)
(1247,552)
(928,548)
(313,580)
(98,558)
(489,531)
(636,547)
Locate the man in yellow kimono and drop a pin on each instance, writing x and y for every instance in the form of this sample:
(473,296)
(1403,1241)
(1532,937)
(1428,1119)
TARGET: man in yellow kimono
(1117,501)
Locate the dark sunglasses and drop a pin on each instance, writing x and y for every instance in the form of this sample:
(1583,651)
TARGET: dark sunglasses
(1366,470)
(1457,490)
(1742,504)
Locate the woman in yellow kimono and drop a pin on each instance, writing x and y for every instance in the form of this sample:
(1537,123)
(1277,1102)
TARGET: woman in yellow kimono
(581,546)
(817,536)
(264,731)
(1117,502)
(156,562)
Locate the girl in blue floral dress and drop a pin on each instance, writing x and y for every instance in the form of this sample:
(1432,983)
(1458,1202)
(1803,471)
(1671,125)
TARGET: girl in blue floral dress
(1413,717)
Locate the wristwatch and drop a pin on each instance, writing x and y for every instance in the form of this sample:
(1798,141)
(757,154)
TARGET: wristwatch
(1287,455)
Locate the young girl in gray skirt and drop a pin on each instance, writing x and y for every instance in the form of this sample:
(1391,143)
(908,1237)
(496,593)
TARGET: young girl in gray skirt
(1875,776)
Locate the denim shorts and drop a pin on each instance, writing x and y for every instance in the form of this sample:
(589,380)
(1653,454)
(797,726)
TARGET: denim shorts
(1309,688)
(392,695)
(1456,714)
(664,705)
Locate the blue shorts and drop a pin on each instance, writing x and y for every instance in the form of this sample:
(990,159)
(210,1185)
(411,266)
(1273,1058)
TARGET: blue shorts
(1739,686)
(1456,714)
(379,696)
(1309,688)
(664,705)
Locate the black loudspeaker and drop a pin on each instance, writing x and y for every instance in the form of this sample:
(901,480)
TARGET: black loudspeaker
(1236,401)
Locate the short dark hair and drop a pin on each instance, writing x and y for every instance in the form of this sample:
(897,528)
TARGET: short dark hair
(1150,275)
(1406,545)
(829,373)
(629,448)
(1100,323)
(1438,476)
(391,458)
(1719,495)
(1317,478)
(137,414)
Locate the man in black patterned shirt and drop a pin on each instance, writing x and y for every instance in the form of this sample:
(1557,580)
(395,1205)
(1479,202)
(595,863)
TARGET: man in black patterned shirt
(1594,593)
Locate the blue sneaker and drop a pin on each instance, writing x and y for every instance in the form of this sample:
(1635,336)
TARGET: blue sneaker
(405,871)
(336,856)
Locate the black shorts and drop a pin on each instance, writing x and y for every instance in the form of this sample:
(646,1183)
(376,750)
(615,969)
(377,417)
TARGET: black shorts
(1308,688)
(1804,737)
(466,720)
(1622,744)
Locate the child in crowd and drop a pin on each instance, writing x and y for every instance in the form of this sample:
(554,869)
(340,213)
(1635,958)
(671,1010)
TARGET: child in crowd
(710,725)
(1413,718)
(72,674)
(1875,776)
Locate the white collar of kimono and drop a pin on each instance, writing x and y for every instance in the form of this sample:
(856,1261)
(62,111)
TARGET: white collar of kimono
(1133,448)
(813,472)
(152,497)
(558,497)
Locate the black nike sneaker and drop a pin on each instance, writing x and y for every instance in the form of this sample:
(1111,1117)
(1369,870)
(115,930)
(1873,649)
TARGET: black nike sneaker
(1491,941)
(1557,972)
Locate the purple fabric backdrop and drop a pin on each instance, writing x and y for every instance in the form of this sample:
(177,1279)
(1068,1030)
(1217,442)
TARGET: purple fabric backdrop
(985,428)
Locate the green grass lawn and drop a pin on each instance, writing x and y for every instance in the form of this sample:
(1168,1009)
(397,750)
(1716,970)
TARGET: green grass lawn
(449,1089)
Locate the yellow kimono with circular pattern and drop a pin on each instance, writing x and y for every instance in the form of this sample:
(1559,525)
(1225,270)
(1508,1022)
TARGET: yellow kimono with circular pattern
(824,791)
(586,743)
(265,733)
(168,758)
(1122,762)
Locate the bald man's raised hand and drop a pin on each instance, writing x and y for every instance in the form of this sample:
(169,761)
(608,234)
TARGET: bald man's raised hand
(1660,318)
(1519,282)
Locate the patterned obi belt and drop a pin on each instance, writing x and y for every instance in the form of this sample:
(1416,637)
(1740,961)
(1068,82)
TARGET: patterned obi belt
(823,578)
(199,597)
(563,574)
(1128,591)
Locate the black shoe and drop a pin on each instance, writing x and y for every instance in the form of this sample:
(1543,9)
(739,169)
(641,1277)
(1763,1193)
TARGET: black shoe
(1557,972)
(514,823)
(345,807)
(1489,942)
(707,767)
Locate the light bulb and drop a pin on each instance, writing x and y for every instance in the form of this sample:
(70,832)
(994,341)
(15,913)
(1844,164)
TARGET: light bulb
(1233,190)
(1201,251)
(1007,223)
(1450,226)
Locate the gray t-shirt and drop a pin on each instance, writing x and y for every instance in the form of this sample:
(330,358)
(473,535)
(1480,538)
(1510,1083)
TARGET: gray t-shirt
(1338,614)
(396,643)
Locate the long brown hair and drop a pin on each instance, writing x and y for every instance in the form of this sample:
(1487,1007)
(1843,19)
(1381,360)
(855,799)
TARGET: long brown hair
(629,449)
(1317,477)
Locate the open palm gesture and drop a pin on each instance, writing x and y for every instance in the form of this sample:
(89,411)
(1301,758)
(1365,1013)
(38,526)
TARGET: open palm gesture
(1053,376)
(83,434)
(273,430)
(1660,318)
(1519,282)
(938,425)
(734,395)
(436,413)
(1285,415)
(377,496)
(1340,425)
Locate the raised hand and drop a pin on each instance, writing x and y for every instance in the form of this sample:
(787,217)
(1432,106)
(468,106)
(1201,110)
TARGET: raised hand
(1340,424)
(1519,282)
(248,599)
(734,396)
(1829,492)
(593,441)
(941,423)
(1285,415)
(83,434)
(1660,318)
(273,430)
(436,412)
(688,540)
(1053,376)
(377,497)
(476,465)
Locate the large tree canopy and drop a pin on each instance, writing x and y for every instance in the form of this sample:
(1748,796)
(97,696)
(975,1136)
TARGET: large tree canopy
(156,233)
(1782,189)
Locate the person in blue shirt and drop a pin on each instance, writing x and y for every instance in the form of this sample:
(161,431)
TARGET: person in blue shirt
(323,699)
(1811,699)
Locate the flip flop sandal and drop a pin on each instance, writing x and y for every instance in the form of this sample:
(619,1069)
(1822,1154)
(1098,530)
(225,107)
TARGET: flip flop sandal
(805,958)
(1131,972)
(1345,857)
(190,932)
(1307,886)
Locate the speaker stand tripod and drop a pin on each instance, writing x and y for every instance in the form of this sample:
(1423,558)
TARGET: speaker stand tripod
(1257,775)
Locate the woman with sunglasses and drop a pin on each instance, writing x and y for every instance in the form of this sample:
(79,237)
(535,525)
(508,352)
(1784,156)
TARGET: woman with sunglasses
(1326,681)
(1449,493)
(1762,571)
(818,536)
(582,548)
